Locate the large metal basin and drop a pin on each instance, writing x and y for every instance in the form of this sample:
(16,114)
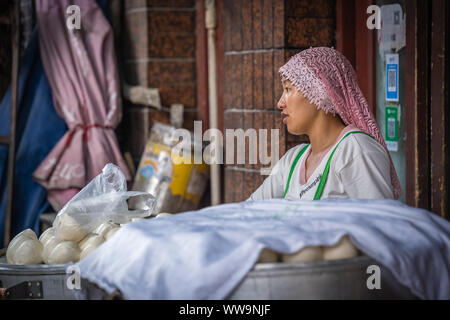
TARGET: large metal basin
(333,279)
(52,277)
(339,279)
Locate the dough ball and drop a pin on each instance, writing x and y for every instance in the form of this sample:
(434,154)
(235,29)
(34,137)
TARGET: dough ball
(82,243)
(104,228)
(91,244)
(344,249)
(306,254)
(50,244)
(64,252)
(46,235)
(69,229)
(163,214)
(16,242)
(26,250)
(111,233)
(267,256)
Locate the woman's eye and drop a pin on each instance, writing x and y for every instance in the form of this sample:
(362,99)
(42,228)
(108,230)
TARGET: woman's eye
(288,89)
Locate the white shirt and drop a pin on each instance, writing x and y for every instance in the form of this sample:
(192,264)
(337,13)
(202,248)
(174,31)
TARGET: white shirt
(360,168)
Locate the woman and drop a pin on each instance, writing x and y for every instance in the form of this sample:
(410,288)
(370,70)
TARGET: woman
(347,156)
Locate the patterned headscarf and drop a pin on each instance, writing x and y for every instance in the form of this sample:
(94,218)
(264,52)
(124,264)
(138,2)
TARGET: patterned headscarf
(327,79)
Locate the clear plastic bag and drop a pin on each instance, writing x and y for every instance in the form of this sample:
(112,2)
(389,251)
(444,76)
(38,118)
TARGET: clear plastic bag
(103,199)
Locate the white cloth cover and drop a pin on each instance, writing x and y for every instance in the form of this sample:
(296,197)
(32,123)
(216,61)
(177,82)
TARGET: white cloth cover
(204,254)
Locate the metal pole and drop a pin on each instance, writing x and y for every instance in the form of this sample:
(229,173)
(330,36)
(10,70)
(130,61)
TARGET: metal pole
(211,24)
(15,36)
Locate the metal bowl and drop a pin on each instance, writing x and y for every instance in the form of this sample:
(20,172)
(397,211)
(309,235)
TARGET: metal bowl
(334,279)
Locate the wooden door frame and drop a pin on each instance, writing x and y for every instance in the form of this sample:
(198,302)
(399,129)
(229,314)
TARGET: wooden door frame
(357,43)
(417,98)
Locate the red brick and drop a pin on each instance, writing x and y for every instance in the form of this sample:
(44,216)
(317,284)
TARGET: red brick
(309,32)
(267,24)
(258,120)
(288,53)
(278,124)
(251,183)
(171,3)
(278,61)
(226,27)
(158,116)
(237,80)
(188,120)
(235,8)
(171,45)
(232,120)
(248,81)
(185,94)
(247,25)
(234,181)
(257,30)
(278,23)
(181,22)
(228,82)
(171,72)
(257,81)
(268,80)
(268,124)
(310,9)
(250,147)
(229,184)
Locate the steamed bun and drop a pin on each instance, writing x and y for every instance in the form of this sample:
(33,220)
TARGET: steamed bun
(306,254)
(64,252)
(46,235)
(25,248)
(50,244)
(69,228)
(104,228)
(91,244)
(267,256)
(344,249)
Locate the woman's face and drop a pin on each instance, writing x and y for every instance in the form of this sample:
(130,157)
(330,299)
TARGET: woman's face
(297,112)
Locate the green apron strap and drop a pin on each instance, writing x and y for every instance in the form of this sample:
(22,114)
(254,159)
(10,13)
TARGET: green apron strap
(324,177)
(293,167)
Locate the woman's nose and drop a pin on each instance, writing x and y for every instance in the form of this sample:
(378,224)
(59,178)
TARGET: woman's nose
(281,103)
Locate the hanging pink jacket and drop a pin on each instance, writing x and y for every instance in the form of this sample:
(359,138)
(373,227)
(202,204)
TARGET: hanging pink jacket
(81,69)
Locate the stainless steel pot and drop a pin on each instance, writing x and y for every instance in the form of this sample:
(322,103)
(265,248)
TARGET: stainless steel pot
(337,279)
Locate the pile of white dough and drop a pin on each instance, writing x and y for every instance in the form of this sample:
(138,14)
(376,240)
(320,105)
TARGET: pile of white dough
(68,240)
(344,249)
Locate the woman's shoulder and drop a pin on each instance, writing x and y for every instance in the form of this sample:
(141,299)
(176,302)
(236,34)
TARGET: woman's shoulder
(359,144)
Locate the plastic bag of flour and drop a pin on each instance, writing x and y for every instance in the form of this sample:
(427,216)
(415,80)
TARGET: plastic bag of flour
(103,199)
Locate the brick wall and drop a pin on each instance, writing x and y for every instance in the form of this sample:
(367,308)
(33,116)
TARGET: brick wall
(258,37)
(159,46)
